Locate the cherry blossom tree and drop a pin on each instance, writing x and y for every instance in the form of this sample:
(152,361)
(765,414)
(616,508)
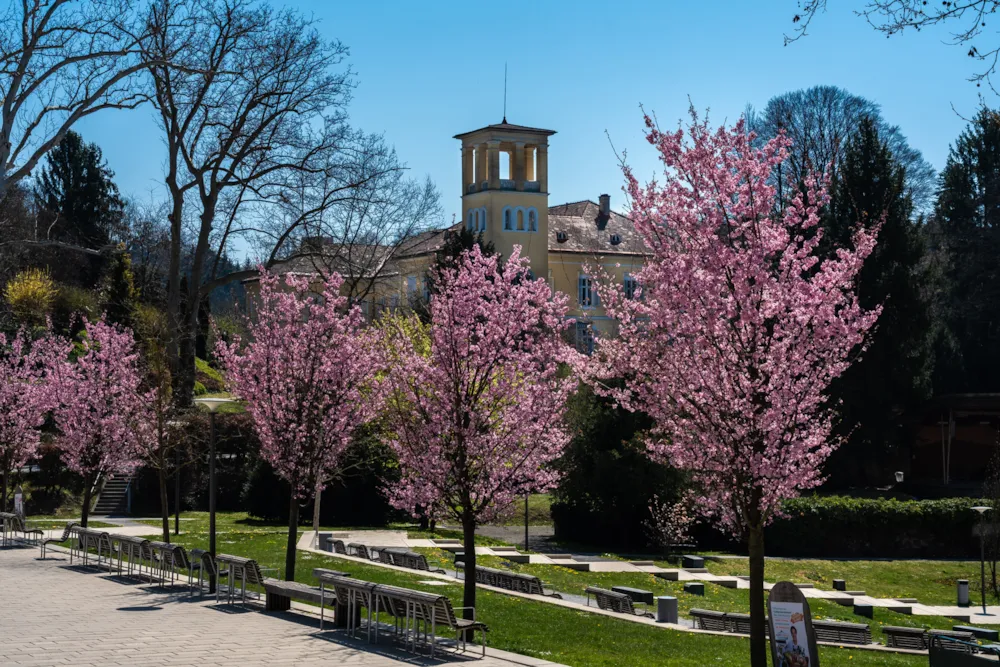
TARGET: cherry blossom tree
(738,330)
(25,397)
(476,417)
(103,407)
(307,378)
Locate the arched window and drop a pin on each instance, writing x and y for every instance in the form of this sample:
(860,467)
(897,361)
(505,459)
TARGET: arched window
(508,219)
(532,220)
(482,219)
(470,220)
(520,219)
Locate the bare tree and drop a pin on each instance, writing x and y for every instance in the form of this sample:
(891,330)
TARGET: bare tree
(357,231)
(258,95)
(893,17)
(820,121)
(61,60)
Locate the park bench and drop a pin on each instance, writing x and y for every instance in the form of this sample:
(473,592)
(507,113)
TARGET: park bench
(133,553)
(953,640)
(408,559)
(68,531)
(336,546)
(740,623)
(707,619)
(169,559)
(408,607)
(13,523)
(201,561)
(279,594)
(611,601)
(842,632)
(510,581)
(98,540)
(358,550)
(246,570)
(903,637)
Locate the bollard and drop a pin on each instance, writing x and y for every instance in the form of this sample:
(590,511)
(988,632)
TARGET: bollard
(963,592)
(666,609)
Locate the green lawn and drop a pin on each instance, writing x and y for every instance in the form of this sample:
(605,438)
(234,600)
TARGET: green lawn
(539,511)
(718,598)
(931,582)
(49,523)
(531,628)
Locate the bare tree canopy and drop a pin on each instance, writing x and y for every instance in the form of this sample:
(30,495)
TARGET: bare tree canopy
(253,113)
(967,20)
(820,121)
(61,60)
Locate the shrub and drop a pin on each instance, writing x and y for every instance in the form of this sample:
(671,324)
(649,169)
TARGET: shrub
(199,389)
(30,295)
(72,303)
(841,526)
(210,379)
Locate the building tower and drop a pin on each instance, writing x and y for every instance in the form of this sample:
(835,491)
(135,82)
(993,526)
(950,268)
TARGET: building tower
(505,193)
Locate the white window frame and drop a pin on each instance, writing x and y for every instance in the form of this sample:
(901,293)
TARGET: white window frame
(629,285)
(586,293)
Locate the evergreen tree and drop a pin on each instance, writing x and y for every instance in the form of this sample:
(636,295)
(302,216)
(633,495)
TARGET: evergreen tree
(894,373)
(119,297)
(78,200)
(965,240)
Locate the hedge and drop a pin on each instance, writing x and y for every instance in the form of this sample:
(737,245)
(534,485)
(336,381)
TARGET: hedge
(841,526)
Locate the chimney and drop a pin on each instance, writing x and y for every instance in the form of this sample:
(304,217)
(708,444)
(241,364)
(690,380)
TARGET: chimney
(605,212)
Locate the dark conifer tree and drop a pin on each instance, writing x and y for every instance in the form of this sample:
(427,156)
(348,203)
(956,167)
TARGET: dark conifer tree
(894,373)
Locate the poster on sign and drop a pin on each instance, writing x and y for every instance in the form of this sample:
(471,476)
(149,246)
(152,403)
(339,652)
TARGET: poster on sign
(793,643)
(790,634)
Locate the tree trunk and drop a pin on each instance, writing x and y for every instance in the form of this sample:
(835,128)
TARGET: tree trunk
(164,503)
(469,544)
(293,537)
(3,496)
(758,640)
(316,508)
(87,490)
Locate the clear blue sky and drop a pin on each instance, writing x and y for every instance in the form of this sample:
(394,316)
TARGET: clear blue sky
(427,71)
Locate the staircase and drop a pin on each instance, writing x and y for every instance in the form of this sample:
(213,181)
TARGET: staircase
(115,497)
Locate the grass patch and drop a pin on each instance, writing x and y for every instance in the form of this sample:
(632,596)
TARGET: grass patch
(523,626)
(51,523)
(931,582)
(539,511)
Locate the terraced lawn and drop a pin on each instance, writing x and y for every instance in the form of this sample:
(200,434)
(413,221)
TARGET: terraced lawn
(533,628)
(930,581)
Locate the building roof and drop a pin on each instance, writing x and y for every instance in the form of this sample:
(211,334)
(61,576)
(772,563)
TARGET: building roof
(583,232)
(506,127)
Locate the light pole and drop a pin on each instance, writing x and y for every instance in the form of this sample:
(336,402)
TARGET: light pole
(177,479)
(213,404)
(982,552)
(525,522)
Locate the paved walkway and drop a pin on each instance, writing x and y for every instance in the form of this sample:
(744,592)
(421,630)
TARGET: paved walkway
(52,614)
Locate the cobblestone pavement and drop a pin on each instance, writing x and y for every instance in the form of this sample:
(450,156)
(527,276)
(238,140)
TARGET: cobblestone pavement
(55,614)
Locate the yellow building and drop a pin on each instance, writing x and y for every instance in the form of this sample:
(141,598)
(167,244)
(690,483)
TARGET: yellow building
(505,197)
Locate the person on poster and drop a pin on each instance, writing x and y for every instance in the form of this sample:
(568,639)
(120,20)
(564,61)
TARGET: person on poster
(794,654)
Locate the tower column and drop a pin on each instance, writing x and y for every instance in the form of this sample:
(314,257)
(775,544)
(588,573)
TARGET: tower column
(493,157)
(468,160)
(518,165)
(543,168)
(480,165)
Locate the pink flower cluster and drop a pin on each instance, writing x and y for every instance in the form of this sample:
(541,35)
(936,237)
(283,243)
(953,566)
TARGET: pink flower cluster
(102,409)
(25,393)
(307,376)
(475,421)
(740,327)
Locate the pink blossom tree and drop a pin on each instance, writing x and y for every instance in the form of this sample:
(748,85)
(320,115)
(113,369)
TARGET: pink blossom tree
(307,378)
(476,418)
(737,331)
(26,396)
(102,411)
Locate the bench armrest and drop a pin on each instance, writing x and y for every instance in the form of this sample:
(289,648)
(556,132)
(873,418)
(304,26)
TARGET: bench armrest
(464,608)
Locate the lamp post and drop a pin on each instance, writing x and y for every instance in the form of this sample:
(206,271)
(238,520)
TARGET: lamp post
(213,404)
(177,479)
(982,553)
